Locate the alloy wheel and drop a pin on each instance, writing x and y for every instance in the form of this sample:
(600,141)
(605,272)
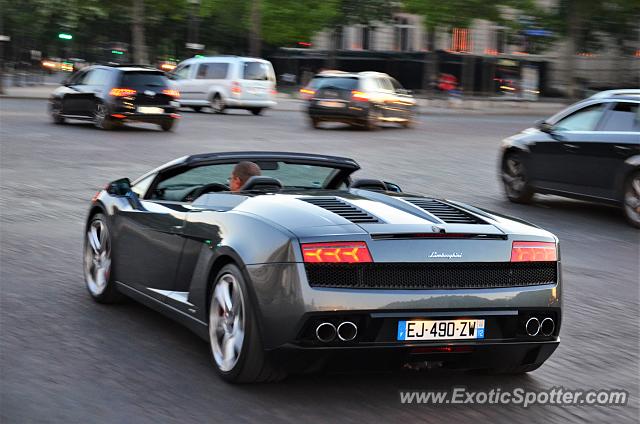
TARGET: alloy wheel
(514,176)
(227,322)
(100,115)
(97,259)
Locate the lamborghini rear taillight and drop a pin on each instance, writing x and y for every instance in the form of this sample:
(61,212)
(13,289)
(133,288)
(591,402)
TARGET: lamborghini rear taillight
(340,251)
(534,251)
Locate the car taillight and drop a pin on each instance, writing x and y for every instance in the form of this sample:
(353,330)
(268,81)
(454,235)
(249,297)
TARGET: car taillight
(359,96)
(235,87)
(173,93)
(534,251)
(345,252)
(122,92)
(307,93)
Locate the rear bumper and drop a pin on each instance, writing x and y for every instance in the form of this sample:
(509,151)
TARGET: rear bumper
(289,309)
(144,117)
(348,113)
(471,356)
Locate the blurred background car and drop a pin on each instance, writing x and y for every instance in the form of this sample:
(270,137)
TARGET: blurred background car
(363,99)
(226,82)
(111,96)
(590,151)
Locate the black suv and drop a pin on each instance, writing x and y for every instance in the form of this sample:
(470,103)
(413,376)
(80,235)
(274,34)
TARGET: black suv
(363,99)
(110,96)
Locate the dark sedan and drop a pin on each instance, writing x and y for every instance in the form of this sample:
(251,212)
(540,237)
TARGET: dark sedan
(590,151)
(110,96)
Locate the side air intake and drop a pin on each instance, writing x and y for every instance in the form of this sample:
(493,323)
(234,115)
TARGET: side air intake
(444,211)
(342,208)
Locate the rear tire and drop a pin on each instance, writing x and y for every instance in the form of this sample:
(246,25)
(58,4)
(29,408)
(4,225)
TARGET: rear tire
(373,119)
(315,123)
(631,206)
(236,347)
(217,104)
(97,262)
(167,125)
(101,117)
(515,179)
(257,111)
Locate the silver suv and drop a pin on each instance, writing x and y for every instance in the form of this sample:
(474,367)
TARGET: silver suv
(226,82)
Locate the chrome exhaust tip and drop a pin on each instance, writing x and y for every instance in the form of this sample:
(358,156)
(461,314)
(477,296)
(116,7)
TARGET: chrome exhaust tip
(347,331)
(326,332)
(547,326)
(532,326)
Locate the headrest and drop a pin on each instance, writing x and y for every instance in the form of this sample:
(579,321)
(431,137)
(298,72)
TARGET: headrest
(368,184)
(261,183)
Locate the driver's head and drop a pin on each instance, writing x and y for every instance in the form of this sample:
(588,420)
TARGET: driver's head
(241,173)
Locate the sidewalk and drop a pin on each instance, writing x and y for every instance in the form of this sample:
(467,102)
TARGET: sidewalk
(475,106)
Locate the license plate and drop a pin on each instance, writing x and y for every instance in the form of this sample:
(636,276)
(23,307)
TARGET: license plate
(441,330)
(330,104)
(147,109)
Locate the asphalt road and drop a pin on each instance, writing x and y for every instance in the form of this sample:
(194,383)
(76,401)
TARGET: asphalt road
(67,359)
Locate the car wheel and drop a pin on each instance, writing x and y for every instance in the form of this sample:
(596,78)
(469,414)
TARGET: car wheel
(514,177)
(97,261)
(373,119)
(167,125)
(256,111)
(196,108)
(101,117)
(408,123)
(631,205)
(217,104)
(56,112)
(315,123)
(233,332)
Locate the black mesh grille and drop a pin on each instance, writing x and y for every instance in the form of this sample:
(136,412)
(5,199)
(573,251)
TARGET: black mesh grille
(444,211)
(426,276)
(343,209)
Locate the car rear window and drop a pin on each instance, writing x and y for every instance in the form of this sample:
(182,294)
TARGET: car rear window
(256,71)
(340,83)
(143,79)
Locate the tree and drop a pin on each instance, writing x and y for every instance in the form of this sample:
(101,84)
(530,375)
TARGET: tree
(137,32)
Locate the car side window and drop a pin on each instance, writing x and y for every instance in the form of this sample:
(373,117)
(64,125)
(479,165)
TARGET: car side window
(384,84)
(177,187)
(584,119)
(183,72)
(396,85)
(97,77)
(79,78)
(623,116)
(212,71)
(141,187)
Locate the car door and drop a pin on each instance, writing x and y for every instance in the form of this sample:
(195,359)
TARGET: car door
(186,85)
(557,157)
(403,100)
(92,89)
(72,99)
(148,245)
(618,138)
(210,78)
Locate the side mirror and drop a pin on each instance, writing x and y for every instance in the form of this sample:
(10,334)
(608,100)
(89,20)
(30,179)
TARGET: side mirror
(121,187)
(544,126)
(393,187)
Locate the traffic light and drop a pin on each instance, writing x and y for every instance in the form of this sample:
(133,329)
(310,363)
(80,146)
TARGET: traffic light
(64,36)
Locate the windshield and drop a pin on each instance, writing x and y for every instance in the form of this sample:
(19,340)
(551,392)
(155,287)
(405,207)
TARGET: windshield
(292,176)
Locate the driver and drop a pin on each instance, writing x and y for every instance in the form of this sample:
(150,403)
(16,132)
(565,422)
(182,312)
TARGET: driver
(241,173)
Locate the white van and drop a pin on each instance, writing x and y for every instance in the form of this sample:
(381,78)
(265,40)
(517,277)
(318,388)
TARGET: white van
(226,82)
